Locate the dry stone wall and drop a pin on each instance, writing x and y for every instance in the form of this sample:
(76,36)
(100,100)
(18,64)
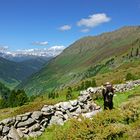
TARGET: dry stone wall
(33,124)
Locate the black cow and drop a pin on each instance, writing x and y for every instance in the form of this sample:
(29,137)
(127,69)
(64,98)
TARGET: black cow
(108,92)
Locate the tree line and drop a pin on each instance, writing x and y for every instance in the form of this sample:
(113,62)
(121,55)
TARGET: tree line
(12,98)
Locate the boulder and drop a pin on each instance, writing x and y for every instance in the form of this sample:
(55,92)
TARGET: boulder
(13,134)
(5,138)
(84,98)
(48,109)
(35,127)
(58,113)
(73,102)
(42,129)
(28,122)
(18,118)
(5,130)
(20,133)
(66,105)
(36,115)
(56,120)
(68,113)
(66,117)
(26,131)
(78,110)
(24,118)
(8,121)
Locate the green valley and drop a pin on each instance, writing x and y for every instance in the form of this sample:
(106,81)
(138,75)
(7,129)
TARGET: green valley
(88,57)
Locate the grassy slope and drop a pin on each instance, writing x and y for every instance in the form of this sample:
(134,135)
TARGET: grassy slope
(37,104)
(12,73)
(118,74)
(81,55)
(103,122)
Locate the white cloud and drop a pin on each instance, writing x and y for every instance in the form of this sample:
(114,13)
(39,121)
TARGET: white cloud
(85,30)
(40,43)
(94,20)
(56,48)
(65,28)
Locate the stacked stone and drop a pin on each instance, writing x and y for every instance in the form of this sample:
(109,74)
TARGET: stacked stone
(32,124)
(118,87)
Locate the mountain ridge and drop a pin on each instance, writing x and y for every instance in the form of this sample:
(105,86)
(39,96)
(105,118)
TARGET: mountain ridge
(12,73)
(78,57)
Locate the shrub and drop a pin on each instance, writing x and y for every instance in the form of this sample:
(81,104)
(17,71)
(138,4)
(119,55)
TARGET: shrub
(17,98)
(129,76)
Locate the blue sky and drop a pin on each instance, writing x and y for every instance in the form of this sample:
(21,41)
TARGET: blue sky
(26,24)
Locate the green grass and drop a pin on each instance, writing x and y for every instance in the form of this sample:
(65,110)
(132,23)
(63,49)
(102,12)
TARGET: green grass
(119,98)
(119,129)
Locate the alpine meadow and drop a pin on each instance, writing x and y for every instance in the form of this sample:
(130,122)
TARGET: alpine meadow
(69,70)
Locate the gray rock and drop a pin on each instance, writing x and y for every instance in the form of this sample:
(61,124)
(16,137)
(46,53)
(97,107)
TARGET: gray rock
(26,131)
(22,128)
(28,122)
(48,109)
(56,120)
(66,117)
(73,108)
(78,110)
(18,118)
(20,133)
(35,134)
(8,121)
(69,114)
(5,138)
(57,106)
(24,118)
(62,110)
(35,127)
(66,105)
(44,122)
(5,129)
(81,103)
(73,102)
(13,134)
(83,98)
(42,129)
(36,115)
(58,113)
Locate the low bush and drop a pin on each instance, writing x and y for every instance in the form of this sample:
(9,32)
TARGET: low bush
(107,125)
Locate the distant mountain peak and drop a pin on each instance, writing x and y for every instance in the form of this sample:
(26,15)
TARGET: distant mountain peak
(37,52)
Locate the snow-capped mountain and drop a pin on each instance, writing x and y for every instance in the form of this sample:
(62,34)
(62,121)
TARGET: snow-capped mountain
(25,54)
